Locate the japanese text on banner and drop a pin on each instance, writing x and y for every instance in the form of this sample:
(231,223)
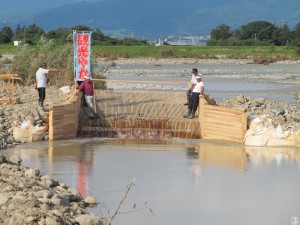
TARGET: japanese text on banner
(82,50)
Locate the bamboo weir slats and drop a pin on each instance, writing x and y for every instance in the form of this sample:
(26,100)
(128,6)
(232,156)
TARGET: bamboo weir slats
(146,115)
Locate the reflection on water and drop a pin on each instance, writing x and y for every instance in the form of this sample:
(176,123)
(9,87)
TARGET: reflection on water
(184,181)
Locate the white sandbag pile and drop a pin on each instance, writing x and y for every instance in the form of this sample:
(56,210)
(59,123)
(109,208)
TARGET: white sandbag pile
(28,133)
(261,132)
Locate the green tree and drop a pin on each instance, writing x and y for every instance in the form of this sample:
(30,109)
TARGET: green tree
(81,28)
(18,30)
(282,35)
(6,35)
(97,36)
(259,30)
(60,35)
(30,34)
(222,32)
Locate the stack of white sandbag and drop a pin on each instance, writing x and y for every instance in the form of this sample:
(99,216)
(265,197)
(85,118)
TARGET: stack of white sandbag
(262,133)
(26,132)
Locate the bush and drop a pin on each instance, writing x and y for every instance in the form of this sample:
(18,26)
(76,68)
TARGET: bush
(27,61)
(167,53)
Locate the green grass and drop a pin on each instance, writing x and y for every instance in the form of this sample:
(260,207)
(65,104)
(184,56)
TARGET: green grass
(8,49)
(182,51)
(196,51)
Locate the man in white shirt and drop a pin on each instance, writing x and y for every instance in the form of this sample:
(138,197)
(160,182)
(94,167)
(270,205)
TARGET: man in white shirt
(41,82)
(192,85)
(194,100)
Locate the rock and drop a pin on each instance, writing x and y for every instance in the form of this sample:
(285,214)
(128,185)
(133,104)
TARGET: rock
(91,201)
(60,189)
(17,219)
(75,193)
(63,185)
(48,194)
(59,200)
(48,182)
(51,221)
(241,99)
(30,219)
(89,220)
(3,199)
(32,173)
(2,159)
(15,159)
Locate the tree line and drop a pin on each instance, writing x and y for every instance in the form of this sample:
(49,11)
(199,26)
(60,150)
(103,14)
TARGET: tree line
(31,35)
(258,33)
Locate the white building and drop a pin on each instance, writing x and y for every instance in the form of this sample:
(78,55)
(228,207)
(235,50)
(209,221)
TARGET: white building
(17,43)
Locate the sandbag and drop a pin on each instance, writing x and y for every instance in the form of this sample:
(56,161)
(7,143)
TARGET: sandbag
(21,134)
(258,138)
(296,139)
(29,134)
(37,133)
(275,141)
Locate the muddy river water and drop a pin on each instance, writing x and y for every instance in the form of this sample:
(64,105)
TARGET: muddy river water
(188,182)
(183,181)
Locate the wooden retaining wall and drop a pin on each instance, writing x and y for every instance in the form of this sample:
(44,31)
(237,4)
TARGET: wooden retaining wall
(64,119)
(222,123)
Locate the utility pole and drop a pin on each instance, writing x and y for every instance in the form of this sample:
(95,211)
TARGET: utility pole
(24,34)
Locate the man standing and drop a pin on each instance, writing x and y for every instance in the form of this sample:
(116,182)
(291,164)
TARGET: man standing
(87,87)
(41,82)
(192,85)
(194,101)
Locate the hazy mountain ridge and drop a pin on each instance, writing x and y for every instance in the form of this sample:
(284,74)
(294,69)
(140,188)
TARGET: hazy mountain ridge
(156,17)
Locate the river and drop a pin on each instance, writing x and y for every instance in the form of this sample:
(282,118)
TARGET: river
(221,80)
(183,181)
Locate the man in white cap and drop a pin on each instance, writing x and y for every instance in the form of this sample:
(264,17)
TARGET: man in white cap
(192,85)
(194,101)
(87,87)
(41,81)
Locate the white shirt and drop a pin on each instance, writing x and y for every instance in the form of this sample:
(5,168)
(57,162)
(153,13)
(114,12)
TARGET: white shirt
(193,80)
(198,86)
(41,77)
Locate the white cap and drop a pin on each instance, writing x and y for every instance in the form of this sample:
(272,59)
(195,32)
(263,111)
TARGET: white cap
(87,77)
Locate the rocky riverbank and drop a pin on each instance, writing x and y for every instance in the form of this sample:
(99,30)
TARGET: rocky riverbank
(182,61)
(27,197)
(280,113)
(26,109)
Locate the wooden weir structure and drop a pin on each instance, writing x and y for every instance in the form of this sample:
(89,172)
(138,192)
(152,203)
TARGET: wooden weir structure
(145,115)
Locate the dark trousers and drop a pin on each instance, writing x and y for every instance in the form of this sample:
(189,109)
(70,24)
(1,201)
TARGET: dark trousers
(189,92)
(194,102)
(42,94)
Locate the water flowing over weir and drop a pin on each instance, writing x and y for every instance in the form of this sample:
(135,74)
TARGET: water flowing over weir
(141,115)
(145,114)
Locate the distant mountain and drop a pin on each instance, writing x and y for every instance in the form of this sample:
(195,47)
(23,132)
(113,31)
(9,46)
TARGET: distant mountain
(150,18)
